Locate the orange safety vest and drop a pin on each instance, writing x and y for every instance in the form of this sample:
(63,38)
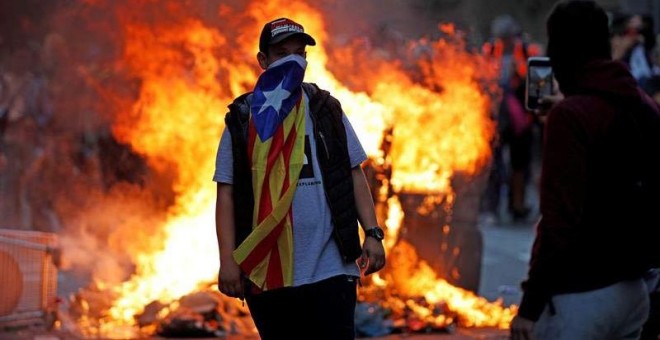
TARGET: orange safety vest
(521,51)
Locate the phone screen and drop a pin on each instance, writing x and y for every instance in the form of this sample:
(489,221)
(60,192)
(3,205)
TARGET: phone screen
(539,81)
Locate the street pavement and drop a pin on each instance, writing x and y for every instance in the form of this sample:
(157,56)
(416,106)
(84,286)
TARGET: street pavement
(504,265)
(507,248)
(506,253)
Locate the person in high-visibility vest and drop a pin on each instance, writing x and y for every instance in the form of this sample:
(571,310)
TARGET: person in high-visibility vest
(515,124)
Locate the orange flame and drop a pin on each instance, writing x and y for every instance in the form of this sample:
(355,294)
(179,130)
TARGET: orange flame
(438,116)
(174,122)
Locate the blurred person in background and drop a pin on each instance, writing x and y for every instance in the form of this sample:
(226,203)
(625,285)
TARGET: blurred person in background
(596,242)
(513,147)
(633,42)
(26,112)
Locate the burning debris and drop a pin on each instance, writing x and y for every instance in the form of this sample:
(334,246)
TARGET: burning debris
(167,74)
(204,313)
(200,314)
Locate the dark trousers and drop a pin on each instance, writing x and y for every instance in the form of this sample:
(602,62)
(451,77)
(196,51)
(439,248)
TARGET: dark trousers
(321,310)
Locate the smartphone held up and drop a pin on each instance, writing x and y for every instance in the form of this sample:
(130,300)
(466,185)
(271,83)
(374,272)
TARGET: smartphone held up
(538,83)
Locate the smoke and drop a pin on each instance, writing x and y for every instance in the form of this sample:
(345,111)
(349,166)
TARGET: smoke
(94,183)
(380,21)
(105,197)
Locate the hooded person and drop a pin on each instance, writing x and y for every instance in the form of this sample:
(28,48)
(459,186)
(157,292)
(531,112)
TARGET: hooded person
(599,185)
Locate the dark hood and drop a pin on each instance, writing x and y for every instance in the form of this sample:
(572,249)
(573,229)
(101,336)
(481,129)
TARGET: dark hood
(604,77)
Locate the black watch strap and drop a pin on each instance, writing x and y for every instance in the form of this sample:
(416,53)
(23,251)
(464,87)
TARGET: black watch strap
(375,232)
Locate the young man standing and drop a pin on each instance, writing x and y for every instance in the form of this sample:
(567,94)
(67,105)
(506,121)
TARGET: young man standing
(291,191)
(596,240)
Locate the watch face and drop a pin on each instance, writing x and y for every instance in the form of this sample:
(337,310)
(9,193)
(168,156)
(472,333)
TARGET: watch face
(377,233)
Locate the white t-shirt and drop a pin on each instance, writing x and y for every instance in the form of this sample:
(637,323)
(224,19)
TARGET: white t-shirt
(316,256)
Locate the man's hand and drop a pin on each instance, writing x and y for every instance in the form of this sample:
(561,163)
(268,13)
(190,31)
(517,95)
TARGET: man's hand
(521,328)
(373,256)
(549,101)
(230,280)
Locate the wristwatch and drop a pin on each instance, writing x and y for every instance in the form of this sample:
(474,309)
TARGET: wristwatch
(375,232)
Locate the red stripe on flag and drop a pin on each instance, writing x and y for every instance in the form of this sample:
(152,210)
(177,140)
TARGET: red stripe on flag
(276,146)
(261,249)
(265,203)
(274,276)
(288,151)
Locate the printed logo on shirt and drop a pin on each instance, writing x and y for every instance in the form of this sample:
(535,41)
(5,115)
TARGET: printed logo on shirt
(307,169)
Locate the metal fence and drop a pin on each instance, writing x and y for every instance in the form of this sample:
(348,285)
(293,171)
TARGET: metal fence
(28,277)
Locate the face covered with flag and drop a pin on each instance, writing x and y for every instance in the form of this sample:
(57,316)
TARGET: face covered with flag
(276,139)
(278,90)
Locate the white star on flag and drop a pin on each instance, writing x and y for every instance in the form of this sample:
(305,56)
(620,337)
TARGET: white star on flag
(274,99)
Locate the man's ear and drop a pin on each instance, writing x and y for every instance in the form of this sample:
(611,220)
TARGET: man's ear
(263,60)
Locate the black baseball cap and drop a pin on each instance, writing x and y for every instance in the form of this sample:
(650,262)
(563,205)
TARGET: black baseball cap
(280,29)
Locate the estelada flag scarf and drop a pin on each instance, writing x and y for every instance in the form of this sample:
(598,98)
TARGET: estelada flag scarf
(276,142)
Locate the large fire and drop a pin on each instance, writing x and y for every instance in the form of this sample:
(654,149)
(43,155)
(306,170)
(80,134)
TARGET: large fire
(433,113)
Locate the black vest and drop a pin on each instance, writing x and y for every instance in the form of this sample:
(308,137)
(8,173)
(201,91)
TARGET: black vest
(333,158)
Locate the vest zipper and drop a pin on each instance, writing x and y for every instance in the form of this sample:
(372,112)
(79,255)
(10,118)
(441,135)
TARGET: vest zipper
(320,134)
(325,146)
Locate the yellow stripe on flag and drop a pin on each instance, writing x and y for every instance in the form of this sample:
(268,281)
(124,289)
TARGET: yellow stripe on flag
(281,202)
